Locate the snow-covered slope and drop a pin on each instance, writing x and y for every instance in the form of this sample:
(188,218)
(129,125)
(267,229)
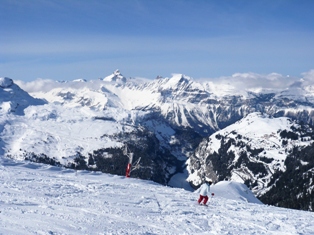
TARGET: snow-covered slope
(61,133)
(256,132)
(41,199)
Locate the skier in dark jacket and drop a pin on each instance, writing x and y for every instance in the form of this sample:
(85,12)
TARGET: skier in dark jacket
(204,191)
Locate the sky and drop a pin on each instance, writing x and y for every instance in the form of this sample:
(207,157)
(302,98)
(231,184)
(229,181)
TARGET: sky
(66,40)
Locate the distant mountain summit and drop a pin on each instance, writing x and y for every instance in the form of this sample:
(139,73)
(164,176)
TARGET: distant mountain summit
(13,99)
(116,76)
(5,82)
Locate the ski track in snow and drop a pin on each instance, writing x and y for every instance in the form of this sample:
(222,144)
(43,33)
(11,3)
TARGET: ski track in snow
(41,199)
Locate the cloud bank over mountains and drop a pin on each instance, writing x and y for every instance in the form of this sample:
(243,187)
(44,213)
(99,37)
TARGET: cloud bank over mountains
(237,82)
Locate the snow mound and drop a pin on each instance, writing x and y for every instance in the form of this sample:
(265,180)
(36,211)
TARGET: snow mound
(5,107)
(5,82)
(234,191)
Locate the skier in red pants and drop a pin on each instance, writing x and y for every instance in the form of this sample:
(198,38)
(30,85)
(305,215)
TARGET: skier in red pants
(204,191)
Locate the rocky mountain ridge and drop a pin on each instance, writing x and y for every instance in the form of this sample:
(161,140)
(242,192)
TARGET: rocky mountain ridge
(166,122)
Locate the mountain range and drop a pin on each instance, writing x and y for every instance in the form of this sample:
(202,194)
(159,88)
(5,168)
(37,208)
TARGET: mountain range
(179,130)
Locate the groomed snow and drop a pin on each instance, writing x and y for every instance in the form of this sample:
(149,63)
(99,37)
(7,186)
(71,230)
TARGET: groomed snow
(41,199)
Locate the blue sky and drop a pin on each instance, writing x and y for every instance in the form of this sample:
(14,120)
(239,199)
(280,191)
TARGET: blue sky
(70,39)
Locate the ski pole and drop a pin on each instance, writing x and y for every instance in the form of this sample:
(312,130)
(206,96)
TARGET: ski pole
(211,200)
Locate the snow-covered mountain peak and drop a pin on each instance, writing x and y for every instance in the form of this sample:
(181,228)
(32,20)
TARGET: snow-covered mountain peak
(5,82)
(79,80)
(180,77)
(257,141)
(95,99)
(260,131)
(258,124)
(296,92)
(178,86)
(13,99)
(116,76)
(177,81)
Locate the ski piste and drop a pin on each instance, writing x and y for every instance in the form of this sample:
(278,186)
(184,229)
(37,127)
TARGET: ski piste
(42,199)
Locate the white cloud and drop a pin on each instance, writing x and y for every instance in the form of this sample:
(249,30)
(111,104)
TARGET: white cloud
(45,85)
(239,83)
(38,85)
(309,76)
(254,80)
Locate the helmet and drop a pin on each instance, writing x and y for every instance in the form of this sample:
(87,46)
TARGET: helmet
(208,180)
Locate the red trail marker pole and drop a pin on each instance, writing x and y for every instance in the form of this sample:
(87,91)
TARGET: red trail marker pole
(128,170)
(129,167)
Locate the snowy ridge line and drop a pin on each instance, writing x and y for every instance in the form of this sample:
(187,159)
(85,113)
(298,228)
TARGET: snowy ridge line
(41,199)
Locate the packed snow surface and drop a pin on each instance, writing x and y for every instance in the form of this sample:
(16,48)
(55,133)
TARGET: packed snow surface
(41,199)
